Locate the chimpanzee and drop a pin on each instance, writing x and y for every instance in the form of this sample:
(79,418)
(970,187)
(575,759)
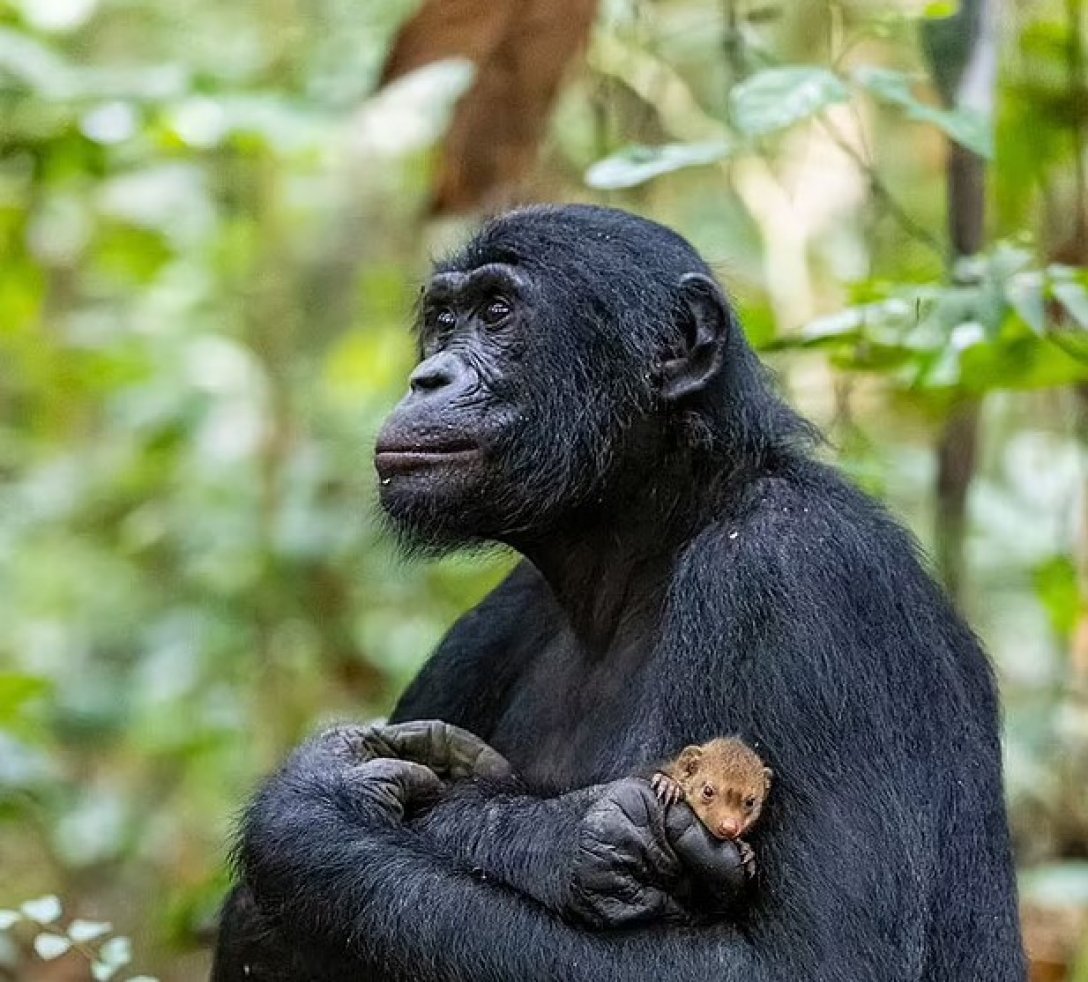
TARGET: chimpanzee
(690,569)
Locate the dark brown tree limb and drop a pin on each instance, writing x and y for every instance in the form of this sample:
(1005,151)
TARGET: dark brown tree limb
(521,49)
(963,55)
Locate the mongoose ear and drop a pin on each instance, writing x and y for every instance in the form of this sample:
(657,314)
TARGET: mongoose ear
(767,775)
(688,760)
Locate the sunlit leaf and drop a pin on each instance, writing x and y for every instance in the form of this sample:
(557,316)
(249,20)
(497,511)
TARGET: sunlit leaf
(116,952)
(57,15)
(965,126)
(637,164)
(1058,591)
(1074,298)
(50,946)
(16,691)
(1063,884)
(31,63)
(850,324)
(776,98)
(44,910)
(82,930)
(940,9)
(412,112)
(1025,294)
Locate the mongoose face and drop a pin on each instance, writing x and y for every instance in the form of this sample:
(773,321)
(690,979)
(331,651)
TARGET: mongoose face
(725,783)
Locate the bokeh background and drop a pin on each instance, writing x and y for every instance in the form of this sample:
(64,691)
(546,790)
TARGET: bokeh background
(214,219)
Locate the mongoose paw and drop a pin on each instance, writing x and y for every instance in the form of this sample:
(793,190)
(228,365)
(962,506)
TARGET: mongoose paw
(747,857)
(666,789)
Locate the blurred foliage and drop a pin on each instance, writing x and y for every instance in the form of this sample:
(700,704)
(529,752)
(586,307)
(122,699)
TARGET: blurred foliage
(211,237)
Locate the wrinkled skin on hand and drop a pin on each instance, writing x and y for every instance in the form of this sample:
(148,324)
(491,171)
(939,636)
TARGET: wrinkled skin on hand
(449,751)
(391,769)
(639,860)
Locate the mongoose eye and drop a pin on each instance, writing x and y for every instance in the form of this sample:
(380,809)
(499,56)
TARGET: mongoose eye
(749,802)
(708,792)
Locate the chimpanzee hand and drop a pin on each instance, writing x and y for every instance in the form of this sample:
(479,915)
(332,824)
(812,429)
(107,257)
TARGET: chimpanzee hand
(639,860)
(351,780)
(449,751)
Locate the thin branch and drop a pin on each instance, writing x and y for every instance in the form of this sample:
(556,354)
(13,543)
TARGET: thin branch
(883,193)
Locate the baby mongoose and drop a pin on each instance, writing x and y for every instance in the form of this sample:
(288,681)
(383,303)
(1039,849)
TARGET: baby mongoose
(724,782)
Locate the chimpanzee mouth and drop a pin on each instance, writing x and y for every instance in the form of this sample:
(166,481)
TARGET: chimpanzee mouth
(395,458)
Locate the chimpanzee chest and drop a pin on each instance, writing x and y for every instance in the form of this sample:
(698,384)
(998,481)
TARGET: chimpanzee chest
(569,719)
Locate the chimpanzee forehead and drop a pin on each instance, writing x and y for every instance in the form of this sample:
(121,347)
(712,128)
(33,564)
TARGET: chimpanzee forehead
(579,237)
(450,284)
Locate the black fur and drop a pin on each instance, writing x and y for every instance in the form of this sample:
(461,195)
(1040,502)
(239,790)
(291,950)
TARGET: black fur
(690,571)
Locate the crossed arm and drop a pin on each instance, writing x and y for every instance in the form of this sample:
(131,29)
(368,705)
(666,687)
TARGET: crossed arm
(489,886)
(378,862)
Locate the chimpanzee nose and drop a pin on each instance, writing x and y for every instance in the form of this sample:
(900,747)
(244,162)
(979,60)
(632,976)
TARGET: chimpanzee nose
(436,372)
(729,828)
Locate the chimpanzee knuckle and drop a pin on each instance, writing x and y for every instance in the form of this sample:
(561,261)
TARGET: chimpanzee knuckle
(345,742)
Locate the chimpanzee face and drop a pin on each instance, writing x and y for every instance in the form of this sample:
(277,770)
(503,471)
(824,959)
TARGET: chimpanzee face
(551,350)
(446,457)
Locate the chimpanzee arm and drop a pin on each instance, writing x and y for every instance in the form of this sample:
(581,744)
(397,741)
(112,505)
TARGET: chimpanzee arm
(374,894)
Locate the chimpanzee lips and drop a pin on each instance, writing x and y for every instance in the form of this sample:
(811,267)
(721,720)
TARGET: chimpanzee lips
(394,457)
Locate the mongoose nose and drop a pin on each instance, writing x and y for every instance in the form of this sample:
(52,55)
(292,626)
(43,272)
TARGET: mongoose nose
(729,828)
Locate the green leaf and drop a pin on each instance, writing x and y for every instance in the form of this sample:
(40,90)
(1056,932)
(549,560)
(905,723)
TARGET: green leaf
(1074,298)
(116,952)
(32,64)
(1062,884)
(886,84)
(82,931)
(851,323)
(16,691)
(638,164)
(1024,293)
(776,98)
(9,918)
(50,946)
(44,910)
(940,9)
(1056,586)
(967,127)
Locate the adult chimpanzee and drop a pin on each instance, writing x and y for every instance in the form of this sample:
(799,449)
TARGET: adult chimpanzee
(586,397)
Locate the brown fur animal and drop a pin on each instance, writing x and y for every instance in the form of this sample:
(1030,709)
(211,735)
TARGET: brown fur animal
(724,782)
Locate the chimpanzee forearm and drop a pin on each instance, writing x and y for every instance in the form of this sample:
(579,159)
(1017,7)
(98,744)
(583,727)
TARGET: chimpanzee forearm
(505,835)
(332,868)
(402,914)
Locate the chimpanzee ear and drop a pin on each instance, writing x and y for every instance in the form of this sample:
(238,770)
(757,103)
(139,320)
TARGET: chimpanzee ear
(704,322)
(689,759)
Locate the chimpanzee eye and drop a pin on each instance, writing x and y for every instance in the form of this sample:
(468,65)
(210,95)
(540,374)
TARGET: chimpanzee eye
(708,792)
(749,803)
(497,309)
